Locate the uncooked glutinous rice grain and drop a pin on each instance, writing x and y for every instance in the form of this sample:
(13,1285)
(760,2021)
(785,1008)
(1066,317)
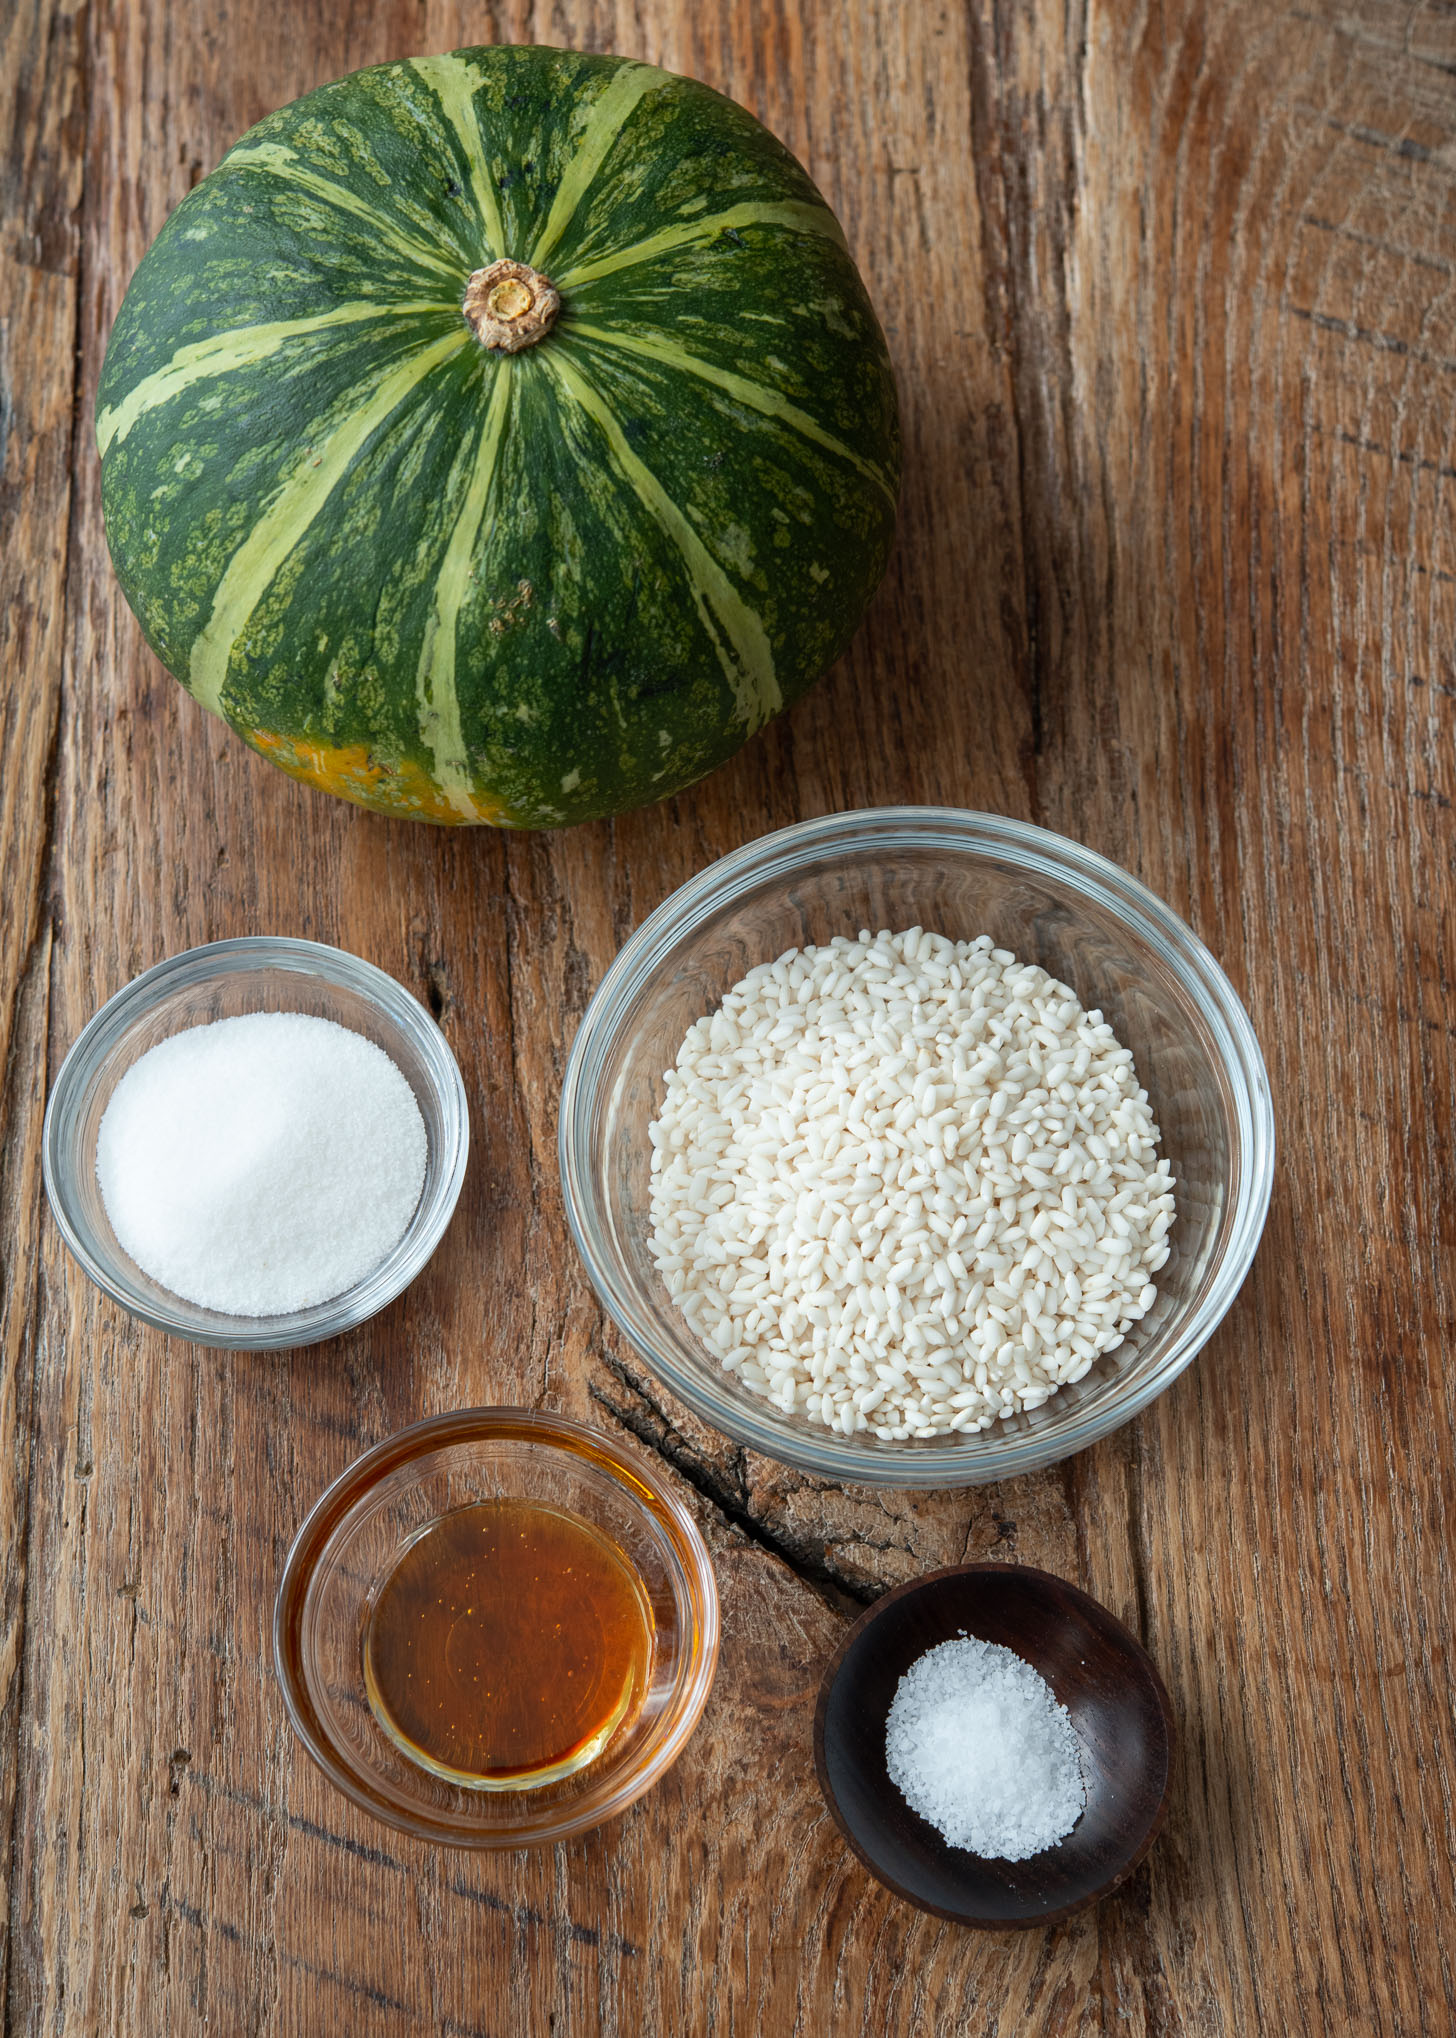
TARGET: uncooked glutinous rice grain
(907,1185)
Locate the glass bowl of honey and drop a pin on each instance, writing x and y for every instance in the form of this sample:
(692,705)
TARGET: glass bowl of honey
(496,1629)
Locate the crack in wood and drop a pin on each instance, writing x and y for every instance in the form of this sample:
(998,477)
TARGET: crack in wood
(7,400)
(20,1315)
(526,1917)
(32,862)
(807,1557)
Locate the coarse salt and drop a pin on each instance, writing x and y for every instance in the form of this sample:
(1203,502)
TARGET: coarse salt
(261,1164)
(977,1744)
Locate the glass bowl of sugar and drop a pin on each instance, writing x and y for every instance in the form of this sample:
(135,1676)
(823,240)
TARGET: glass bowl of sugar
(916,1147)
(257,1144)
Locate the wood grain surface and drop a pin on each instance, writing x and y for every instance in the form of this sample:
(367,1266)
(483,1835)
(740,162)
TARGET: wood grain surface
(1169,289)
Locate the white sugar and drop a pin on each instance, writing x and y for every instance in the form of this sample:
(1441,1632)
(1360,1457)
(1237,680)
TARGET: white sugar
(261,1164)
(977,1744)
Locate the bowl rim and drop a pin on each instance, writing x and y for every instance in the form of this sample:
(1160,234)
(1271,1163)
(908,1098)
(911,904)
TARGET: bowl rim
(985,1456)
(1138,1656)
(545,1429)
(237,956)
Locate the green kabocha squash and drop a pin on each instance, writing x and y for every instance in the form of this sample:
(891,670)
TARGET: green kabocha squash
(501,436)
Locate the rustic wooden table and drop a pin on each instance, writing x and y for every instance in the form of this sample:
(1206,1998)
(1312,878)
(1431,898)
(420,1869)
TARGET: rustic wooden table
(1169,288)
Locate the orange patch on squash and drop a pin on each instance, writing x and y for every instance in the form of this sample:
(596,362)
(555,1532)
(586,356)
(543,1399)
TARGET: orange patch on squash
(353,772)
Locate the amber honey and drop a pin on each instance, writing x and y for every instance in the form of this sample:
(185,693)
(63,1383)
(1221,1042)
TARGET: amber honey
(508,1645)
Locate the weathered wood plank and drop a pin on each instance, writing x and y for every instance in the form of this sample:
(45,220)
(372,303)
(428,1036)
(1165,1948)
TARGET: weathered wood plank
(40,190)
(1169,296)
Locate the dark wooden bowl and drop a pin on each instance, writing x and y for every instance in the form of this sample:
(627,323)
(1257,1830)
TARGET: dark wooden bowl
(1099,1672)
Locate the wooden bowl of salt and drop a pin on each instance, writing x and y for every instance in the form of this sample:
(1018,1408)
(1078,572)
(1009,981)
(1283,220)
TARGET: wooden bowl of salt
(1117,1730)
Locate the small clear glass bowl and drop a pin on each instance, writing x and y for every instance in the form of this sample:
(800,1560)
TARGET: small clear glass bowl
(1051,902)
(260,973)
(354,1538)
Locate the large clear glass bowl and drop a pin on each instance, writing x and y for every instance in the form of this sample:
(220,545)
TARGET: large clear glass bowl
(959,874)
(257,973)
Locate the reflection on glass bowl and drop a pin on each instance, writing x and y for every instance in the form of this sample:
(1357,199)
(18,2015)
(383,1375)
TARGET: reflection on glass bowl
(1051,902)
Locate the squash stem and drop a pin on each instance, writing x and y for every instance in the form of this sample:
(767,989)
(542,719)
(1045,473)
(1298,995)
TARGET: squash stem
(509,306)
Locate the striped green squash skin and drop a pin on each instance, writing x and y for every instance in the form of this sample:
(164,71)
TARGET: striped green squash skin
(466,585)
